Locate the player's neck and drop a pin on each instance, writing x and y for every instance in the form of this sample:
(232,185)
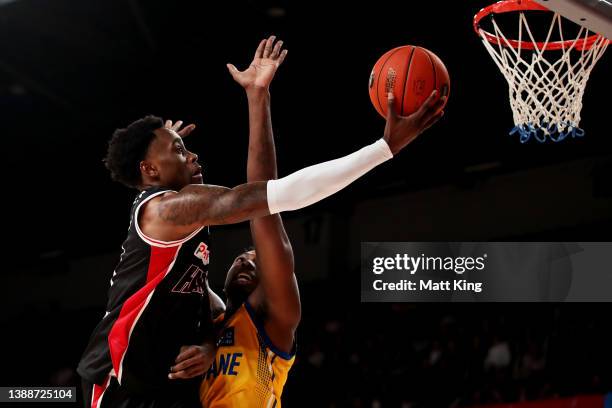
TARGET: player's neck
(148,185)
(233,304)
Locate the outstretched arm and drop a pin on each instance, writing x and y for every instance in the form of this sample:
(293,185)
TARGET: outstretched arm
(277,293)
(175,215)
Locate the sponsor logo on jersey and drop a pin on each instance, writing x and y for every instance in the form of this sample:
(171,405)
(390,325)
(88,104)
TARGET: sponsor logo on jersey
(202,253)
(227,337)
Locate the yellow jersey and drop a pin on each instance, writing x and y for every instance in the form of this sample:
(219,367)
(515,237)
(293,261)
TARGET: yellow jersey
(248,371)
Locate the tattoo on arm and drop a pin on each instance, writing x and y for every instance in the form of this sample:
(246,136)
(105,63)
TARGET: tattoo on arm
(213,205)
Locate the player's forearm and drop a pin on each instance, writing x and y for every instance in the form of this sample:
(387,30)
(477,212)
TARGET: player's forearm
(261,162)
(314,183)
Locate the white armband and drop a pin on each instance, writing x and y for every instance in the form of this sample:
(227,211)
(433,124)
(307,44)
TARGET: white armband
(314,183)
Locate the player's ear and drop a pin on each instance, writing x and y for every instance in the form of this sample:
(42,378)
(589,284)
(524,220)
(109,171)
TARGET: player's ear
(148,169)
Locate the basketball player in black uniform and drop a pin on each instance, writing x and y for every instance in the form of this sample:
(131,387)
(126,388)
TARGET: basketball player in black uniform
(158,305)
(158,313)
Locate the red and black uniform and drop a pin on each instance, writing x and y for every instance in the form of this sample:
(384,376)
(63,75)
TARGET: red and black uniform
(157,302)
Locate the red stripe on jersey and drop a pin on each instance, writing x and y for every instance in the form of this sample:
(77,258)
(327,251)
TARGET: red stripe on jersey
(98,391)
(119,335)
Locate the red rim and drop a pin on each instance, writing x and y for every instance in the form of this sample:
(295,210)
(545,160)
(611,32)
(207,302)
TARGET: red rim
(507,6)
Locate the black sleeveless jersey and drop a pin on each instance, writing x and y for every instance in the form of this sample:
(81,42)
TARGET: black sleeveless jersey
(157,302)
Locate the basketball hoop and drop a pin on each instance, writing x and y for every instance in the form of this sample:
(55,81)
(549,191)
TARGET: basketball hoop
(547,78)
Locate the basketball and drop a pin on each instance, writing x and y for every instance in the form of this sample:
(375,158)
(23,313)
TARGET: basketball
(412,73)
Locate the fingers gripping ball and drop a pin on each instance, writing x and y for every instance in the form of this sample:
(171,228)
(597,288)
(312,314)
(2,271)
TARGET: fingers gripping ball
(411,73)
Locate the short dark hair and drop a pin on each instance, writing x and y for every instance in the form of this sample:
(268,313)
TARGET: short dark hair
(128,147)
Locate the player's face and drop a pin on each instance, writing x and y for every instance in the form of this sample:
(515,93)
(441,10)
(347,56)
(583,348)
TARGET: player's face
(176,166)
(242,275)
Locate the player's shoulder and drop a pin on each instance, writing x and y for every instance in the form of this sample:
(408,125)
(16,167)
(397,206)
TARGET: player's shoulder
(155,195)
(150,201)
(162,196)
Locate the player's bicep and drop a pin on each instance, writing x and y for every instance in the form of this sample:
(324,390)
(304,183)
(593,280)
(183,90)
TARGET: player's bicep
(190,206)
(155,229)
(276,270)
(214,205)
(274,251)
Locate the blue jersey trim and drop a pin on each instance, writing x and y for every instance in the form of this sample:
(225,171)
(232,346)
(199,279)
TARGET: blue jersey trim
(262,332)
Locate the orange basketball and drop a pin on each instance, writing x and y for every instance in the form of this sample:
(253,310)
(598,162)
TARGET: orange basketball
(412,73)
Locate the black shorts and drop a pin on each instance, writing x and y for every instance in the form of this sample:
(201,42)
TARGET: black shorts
(112,395)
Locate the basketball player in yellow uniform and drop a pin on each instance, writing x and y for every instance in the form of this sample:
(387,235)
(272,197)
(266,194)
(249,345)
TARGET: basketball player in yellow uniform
(256,343)
(256,346)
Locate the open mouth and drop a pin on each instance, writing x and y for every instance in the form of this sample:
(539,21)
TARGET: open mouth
(243,277)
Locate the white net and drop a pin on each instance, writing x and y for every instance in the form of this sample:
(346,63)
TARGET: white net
(545,87)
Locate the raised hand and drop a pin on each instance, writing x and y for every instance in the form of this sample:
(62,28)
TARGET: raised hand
(401,130)
(184,132)
(268,57)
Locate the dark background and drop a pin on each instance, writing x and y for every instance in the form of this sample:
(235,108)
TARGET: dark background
(73,71)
